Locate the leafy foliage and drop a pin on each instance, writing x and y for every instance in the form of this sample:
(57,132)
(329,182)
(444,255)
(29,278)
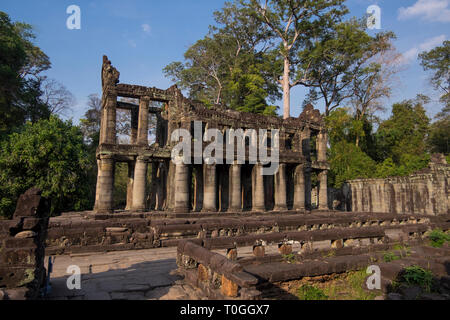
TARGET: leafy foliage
(51,155)
(438,238)
(20,64)
(417,276)
(348,162)
(438,61)
(339,64)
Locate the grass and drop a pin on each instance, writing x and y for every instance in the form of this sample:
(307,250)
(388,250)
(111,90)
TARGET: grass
(329,254)
(348,286)
(390,256)
(308,292)
(403,249)
(289,258)
(438,238)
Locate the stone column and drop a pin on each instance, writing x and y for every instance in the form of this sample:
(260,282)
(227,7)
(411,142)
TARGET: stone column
(142,137)
(140,184)
(323,192)
(280,189)
(258,189)
(108,123)
(305,140)
(97,189)
(308,189)
(198,188)
(210,188)
(321,145)
(181,188)
(299,188)
(134,125)
(235,188)
(105,202)
(130,185)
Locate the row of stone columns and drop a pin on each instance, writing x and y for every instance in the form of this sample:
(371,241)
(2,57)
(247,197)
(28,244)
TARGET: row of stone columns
(137,186)
(302,182)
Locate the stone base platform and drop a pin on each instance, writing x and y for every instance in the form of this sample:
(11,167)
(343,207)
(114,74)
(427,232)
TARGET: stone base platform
(263,276)
(89,232)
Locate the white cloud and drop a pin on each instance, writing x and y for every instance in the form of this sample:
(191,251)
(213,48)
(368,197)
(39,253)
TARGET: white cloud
(132,43)
(430,10)
(146,28)
(431,43)
(427,45)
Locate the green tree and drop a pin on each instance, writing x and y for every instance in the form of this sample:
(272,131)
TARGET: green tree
(21,62)
(90,124)
(440,132)
(347,162)
(51,155)
(403,137)
(336,60)
(438,61)
(292,24)
(230,65)
(439,136)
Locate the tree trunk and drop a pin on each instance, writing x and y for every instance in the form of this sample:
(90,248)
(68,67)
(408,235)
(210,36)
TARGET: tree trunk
(218,95)
(286,89)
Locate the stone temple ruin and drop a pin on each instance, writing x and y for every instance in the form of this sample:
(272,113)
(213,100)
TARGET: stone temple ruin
(203,187)
(224,231)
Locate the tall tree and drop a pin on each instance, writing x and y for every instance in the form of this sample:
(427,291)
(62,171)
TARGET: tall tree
(56,96)
(230,65)
(293,23)
(336,60)
(90,124)
(438,61)
(20,65)
(373,84)
(403,136)
(204,72)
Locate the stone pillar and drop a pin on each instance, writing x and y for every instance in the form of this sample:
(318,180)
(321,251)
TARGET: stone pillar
(108,123)
(198,188)
(235,188)
(130,185)
(140,185)
(105,203)
(299,188)
(323,191)
(160,188)
(210,188)
(258,189)
(134,125)
(305,143)
(321,146)
(97,189)
(308,189)
(280,189)
(181,188)
(142,137)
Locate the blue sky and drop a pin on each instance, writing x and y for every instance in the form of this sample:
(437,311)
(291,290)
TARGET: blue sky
(142,36)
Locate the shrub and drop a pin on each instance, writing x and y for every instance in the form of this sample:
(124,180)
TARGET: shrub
(417,276)
(49,154)
(438,238)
